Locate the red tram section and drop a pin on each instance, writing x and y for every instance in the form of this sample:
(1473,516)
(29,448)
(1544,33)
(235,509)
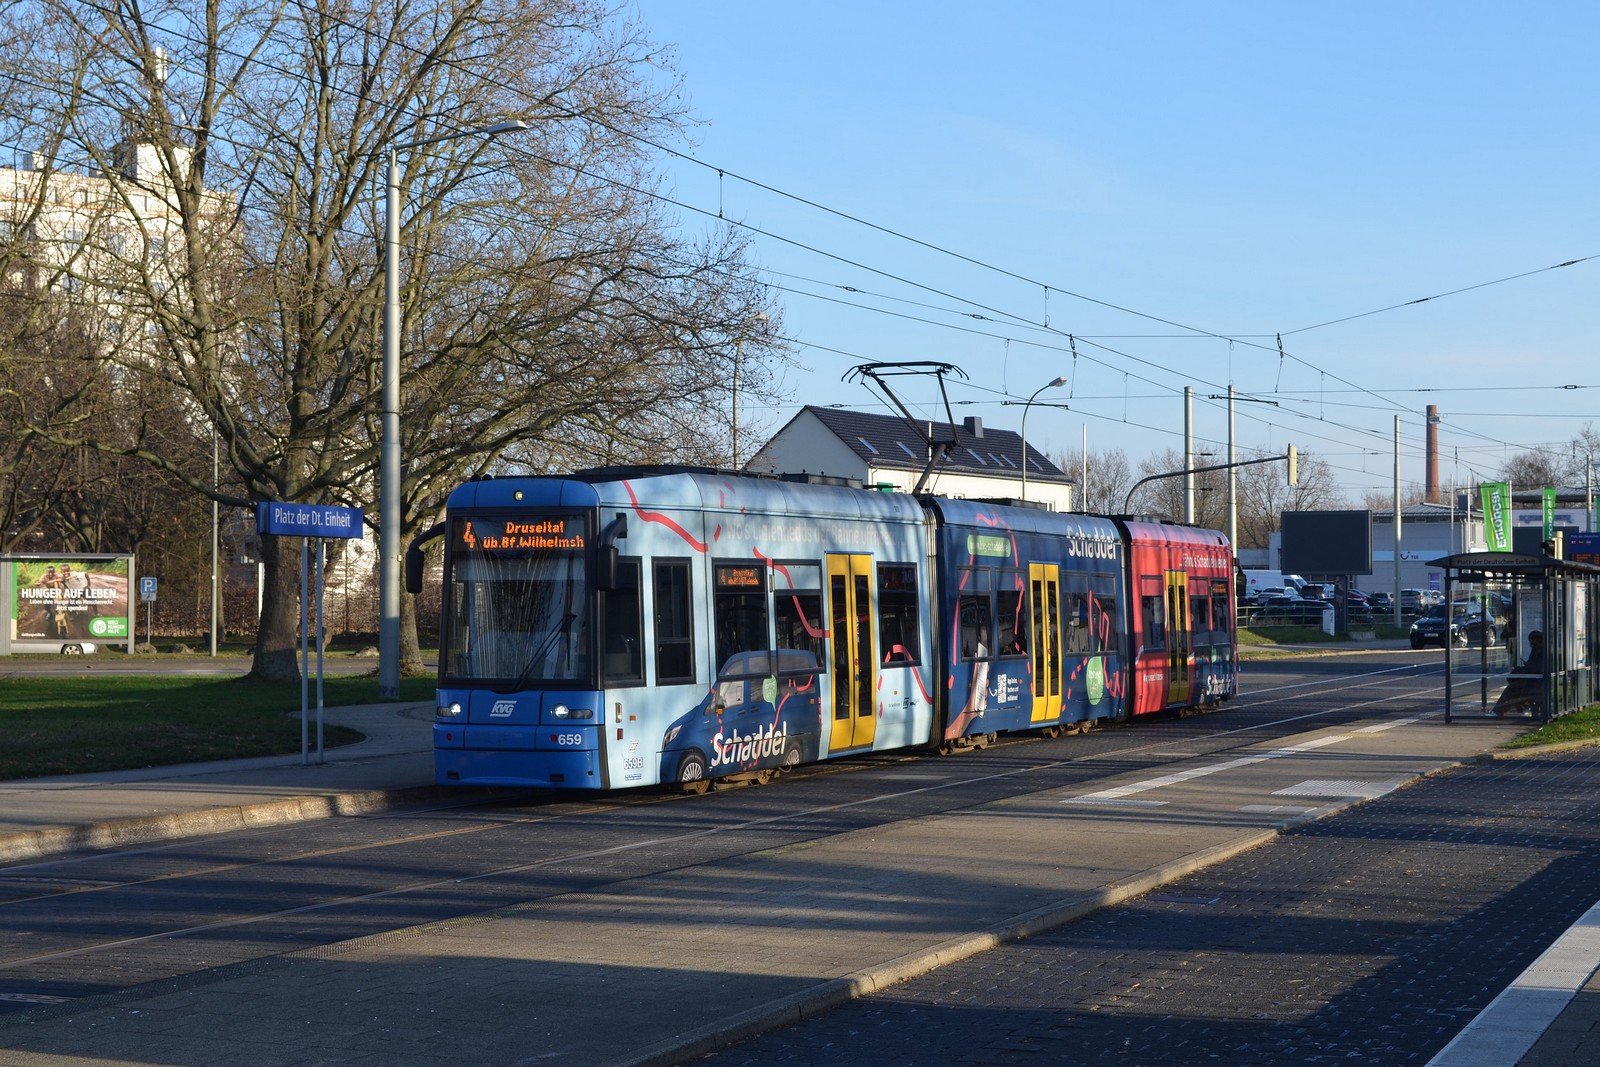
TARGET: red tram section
(1181,616)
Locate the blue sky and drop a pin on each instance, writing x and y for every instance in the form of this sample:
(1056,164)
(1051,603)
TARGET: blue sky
(1170,186)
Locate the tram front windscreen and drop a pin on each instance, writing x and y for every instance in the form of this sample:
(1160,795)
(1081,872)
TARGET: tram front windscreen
(517,606)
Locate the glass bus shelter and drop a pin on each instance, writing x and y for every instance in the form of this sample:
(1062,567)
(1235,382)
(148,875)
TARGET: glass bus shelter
(1494,600)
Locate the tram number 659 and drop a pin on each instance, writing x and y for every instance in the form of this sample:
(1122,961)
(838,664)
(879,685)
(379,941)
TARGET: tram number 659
(568,739)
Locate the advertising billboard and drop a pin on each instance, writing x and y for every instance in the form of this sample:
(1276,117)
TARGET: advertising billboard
(65,603)
(1327,543)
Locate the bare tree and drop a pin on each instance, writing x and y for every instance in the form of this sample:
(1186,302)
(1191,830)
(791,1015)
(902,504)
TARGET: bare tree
(1265,494)
(1110,475)
(550,307)
(1261,493)
(1538,469)
(1164,497)
(50,382)
(1410,493)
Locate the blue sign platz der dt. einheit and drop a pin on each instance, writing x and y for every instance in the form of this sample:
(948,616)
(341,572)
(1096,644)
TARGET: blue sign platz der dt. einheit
(307,520)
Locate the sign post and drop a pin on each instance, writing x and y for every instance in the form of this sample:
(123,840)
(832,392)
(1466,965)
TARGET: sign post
(313,522)
(147,593)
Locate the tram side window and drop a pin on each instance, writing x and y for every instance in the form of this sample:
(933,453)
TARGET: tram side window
(674,618)
(976,615)
(1219,617)
(898,612)
(1153,620)
(740,617)
(1011,598)
(1105,633)
(1079,637)
(798,614)
(623,630)
(1200,616)
(1091,619)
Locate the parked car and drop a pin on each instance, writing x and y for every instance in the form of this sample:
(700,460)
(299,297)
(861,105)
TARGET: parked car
(1465,625)
(1317,591)
(1417,601)
(1380,601)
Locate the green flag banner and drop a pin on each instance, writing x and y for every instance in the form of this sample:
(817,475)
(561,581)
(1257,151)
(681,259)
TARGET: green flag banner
(1497,515)
(1549,513)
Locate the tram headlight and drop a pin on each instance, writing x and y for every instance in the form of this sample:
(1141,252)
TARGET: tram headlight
(451,710)
(561,711)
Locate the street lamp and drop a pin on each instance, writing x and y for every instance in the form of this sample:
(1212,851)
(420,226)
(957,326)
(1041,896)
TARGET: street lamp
(1047,385)
(389,454)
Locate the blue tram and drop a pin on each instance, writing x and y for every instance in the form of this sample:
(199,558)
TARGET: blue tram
(632,626)
(1031,601)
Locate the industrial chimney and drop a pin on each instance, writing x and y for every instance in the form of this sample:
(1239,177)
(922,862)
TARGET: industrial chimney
(1431,487)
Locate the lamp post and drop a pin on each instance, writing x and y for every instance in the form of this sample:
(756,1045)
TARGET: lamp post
(1047,385)
(389,449)
(216,573)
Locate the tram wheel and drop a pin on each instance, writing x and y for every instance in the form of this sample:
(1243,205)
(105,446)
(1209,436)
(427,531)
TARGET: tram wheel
(692,773)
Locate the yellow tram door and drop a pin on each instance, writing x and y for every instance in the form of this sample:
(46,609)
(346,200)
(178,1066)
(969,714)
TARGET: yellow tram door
(1178,630)
(853,656)
(1044,595)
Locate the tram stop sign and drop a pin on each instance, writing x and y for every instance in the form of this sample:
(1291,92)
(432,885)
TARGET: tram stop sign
(307,520)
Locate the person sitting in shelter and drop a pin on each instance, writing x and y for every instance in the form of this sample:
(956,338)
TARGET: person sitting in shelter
(1524,693)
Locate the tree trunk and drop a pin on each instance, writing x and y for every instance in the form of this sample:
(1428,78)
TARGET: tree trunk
(278,632)
(411,665)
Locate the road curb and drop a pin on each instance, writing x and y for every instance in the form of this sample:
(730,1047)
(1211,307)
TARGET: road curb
(51,841)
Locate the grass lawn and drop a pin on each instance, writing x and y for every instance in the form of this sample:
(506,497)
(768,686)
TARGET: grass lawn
(106,723)
(1581,725)
(1267,638)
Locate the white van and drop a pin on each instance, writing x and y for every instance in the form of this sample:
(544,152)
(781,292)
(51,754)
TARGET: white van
(1256,581)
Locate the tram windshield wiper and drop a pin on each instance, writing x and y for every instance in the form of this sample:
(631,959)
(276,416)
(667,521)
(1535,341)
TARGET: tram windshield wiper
(539,654)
